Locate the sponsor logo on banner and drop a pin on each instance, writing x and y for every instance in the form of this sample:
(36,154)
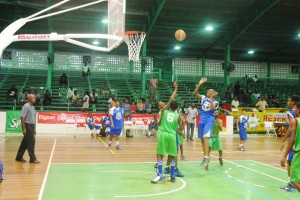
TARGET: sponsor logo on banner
(13,121)
(253,121)
(34,37)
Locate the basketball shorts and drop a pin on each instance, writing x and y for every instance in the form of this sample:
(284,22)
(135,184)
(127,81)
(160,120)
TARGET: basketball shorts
(215,143)
(290,156)
(243,134)
(115,132)
(166,144)
(96,126)
(295,172)
(205,129)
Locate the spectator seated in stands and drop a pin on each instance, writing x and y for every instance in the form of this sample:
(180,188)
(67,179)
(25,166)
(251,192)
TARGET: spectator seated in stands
(94,97)
(86,71)
(274,102)
(132,108)
(63,80)
(12,92)
(227,94)
(255,79)
(235,102)
(140,107)
(90,121)
(256,94)
(104,90)
(37,97)
(153,127)
(24,98)
(245,97)
(247,79)
(70,93)
(147,107)
(262,105)
(126,108)
(75,99)
(47,99)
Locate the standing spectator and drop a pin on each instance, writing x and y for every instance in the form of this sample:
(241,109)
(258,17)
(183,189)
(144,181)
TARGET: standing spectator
(12,92)
(28,118)
(24,98)
(85,102)
(70,93)
(126,107)
(245,97)
(104,90)
(47,98)
(75,98)
(255,79)
(153,127)
(153,87)
(63,80)
(147,107)
(235,102)
(247,79)
(227,94)
(256,94)
(94,97)
(192,114)
(262,105)
(37,97)
(184,109)
(140,107)
(86,70)
(237,90)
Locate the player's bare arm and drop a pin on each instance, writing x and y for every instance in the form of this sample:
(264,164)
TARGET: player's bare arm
(292,126)
(201,82)
(172,98)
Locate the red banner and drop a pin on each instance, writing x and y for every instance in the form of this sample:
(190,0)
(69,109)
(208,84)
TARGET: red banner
(62,117)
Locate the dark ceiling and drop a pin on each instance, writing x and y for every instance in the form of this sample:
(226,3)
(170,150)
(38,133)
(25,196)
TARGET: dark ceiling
(270,27)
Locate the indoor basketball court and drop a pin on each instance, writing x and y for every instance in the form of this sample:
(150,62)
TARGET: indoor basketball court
(125,44)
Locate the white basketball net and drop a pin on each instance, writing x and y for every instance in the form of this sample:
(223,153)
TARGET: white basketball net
(134,41)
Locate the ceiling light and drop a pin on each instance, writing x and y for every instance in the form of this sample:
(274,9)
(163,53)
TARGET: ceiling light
(209,28)
(251,52)
(299,35)
(104,21)
(95,42)
(177,47)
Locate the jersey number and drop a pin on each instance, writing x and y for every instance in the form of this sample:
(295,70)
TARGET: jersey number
(170,117)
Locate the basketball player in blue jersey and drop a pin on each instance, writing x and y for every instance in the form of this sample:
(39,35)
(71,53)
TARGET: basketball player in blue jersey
(117,121)
(290,116)
(90,121)
(207,118)
(241,125)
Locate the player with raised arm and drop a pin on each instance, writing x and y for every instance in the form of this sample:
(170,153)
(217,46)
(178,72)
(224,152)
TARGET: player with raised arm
(207,118)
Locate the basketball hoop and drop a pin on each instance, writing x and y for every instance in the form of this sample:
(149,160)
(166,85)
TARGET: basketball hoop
(134,41)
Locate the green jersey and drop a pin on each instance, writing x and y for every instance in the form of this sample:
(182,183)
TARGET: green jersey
(216,130)
(169,122)
(297,135)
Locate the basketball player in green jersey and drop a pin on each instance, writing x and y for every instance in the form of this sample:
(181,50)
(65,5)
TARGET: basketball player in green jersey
(294,142)
(166,143)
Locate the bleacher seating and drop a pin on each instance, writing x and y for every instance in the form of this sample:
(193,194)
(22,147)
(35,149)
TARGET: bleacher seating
(122,86)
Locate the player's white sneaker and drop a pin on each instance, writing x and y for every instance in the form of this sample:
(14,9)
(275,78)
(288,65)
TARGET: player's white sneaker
(157,179)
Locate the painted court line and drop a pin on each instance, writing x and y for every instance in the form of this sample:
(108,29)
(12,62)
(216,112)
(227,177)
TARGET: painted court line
(254,141)
(106,146)
(47,171)
(4,140)
(238,165)
(269,165)
(145,195)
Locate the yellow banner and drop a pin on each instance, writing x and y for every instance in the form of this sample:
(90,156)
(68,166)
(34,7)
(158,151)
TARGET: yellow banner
(257,119)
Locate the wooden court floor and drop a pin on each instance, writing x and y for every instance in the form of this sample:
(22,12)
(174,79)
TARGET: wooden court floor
(27,181)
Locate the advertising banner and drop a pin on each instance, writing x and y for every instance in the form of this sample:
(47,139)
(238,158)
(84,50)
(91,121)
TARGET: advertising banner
(13,121)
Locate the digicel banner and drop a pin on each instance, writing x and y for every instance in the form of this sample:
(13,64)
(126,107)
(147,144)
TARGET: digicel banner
(61,117)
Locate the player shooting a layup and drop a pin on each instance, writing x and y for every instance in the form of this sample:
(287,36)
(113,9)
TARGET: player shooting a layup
(207,118)
(166,143)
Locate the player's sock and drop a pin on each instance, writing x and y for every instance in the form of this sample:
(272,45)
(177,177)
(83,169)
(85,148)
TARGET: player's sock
(117,143)
(172,168)
(159,167)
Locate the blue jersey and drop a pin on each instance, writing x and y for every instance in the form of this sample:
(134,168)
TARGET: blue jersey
(291,114)
(207,115)
(117,117)
(90,120)
(106,121)
(243,121)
